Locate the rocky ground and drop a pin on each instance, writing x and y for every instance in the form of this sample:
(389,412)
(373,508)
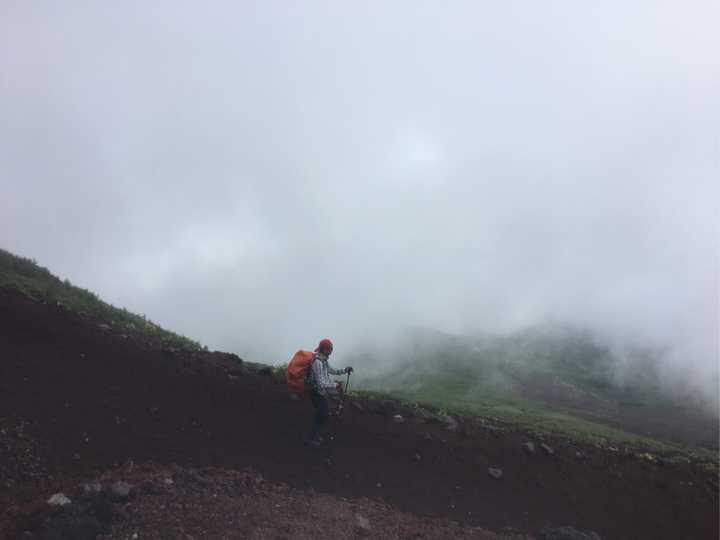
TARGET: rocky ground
(152,501)
(150,441)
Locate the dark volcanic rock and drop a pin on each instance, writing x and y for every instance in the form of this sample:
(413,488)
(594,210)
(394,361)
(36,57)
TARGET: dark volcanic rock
(121,490)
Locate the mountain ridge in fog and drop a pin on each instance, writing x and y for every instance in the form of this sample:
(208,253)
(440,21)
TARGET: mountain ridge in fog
(569,352)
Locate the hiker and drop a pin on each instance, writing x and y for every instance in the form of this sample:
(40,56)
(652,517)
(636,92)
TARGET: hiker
(323,387)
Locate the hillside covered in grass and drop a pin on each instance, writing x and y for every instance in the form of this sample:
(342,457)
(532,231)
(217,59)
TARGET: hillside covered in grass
(551,378)
(28,277)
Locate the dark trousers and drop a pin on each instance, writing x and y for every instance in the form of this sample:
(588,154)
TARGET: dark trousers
(321,413)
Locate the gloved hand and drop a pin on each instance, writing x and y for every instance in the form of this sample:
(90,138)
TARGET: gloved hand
(349,370)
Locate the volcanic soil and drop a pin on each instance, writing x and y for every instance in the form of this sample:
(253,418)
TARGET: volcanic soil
(81,401)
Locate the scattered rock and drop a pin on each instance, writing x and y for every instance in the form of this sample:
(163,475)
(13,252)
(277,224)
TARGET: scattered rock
(547,449)
(567,533)
(427,437)
(451,423)
(495,473)
(121,490)
(59,499)
(529,447)
(168,481)
(104,327)
(398,419)
(417,457)
(92,488)
(362,524)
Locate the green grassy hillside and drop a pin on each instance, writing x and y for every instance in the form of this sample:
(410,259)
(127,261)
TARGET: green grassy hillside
(546,378)
(26,276)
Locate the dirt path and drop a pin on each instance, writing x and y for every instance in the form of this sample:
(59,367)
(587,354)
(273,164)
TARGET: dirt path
(96,399)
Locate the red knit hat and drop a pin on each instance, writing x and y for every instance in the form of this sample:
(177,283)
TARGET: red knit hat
(325,347)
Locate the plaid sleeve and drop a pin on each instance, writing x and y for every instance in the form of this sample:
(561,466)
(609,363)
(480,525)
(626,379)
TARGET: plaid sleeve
(335,371)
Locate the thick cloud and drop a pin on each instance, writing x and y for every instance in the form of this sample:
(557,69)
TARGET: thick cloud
(262,175)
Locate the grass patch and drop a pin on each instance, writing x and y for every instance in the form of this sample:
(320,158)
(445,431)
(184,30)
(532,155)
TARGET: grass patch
(27,277)
(456,397)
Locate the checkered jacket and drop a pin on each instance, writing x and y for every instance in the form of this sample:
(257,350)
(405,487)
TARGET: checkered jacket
(320,377)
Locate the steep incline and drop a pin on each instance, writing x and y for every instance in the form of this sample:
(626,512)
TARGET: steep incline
(96,399)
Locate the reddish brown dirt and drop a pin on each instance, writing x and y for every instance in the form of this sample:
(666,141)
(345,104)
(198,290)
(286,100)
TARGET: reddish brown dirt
(93,400)
(175,502)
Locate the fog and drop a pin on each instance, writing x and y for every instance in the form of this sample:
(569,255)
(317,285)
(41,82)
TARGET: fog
(261,175)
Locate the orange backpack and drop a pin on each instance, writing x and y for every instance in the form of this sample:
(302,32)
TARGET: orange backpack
(298,369)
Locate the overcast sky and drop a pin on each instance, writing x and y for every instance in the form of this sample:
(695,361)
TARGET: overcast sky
(258,175)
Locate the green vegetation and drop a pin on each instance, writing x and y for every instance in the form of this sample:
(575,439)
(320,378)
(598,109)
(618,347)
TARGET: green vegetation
(548,380)
(536,419)
(26,276)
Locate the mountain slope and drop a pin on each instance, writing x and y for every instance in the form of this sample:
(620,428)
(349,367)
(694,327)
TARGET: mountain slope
(94,398)
(548,378)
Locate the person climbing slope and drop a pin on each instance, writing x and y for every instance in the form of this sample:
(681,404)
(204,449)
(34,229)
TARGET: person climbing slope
(322,388)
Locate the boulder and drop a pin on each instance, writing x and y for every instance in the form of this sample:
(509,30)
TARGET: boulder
(92,488)
(495,473)
(121,490)
(547,449)
(362,523)
(529,447)
(59,499)
(362,526)
(451,423)
(398,419)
